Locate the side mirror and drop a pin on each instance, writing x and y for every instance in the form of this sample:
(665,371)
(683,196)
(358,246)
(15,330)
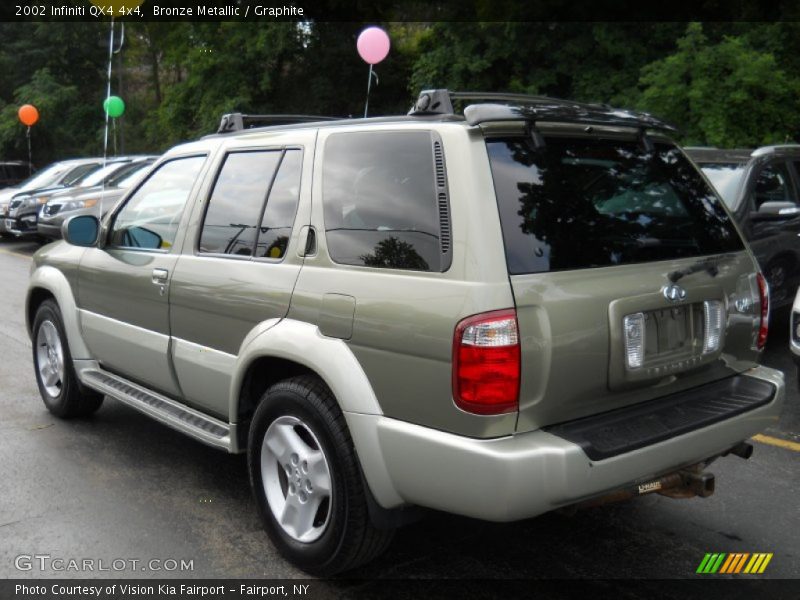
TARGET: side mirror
(81,230)
(776,210)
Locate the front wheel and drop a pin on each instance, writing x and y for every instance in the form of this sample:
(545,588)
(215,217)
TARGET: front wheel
(58,384)
(306,479)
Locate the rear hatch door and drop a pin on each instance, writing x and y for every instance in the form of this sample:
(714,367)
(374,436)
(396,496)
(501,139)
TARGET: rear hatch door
(630,279)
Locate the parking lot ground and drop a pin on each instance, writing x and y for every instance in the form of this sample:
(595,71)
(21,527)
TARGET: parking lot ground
(121,486)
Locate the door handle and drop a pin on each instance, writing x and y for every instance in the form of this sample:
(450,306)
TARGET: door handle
(160,276)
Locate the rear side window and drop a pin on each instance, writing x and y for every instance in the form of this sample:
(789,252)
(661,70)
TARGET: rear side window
(234,209)
(578,203)
(252,208)
(278,219)
(381,200)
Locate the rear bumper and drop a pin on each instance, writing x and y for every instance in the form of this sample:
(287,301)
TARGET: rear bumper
(528,474)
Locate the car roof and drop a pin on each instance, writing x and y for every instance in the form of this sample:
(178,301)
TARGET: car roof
(439,105)
(705,154)
(719,155)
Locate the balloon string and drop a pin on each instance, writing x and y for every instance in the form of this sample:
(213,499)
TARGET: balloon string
(369,84)
(30,155)
(108,93)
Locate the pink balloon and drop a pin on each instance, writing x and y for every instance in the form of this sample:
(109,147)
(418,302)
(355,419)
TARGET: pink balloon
(373,45)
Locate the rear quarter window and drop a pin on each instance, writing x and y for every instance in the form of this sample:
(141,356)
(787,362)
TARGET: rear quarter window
(380,198)
(579,203)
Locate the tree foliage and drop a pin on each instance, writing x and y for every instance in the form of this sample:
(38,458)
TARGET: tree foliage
(724,93)
(722,83)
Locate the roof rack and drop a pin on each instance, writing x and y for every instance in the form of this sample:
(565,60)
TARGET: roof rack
(238,121)
(492,107)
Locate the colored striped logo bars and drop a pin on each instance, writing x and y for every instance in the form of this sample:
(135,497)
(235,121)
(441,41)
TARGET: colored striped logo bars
(734,563)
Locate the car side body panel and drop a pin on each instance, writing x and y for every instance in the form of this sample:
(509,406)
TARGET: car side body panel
(399,324)
(217,299)
(54,271)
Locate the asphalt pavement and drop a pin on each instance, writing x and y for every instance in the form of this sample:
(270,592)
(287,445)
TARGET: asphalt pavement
(121,487)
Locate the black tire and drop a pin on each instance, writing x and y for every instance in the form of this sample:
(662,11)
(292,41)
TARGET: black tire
(71,399)
(349,538)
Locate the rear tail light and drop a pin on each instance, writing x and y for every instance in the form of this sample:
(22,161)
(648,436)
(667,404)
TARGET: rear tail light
(714,321)
(633,327)
(763,294)
(486,363)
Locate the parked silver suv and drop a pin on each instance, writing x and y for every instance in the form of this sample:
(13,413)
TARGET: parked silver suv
(531,305)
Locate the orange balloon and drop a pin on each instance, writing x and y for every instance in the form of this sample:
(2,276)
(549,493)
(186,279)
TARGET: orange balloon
(28,114)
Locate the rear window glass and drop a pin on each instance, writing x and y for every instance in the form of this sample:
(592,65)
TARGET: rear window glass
(380,200)
(579,203)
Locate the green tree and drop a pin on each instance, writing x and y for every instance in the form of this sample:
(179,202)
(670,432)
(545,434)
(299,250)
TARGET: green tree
(725,93)
(595,62)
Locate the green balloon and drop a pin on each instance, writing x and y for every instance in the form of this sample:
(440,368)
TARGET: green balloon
(114,106)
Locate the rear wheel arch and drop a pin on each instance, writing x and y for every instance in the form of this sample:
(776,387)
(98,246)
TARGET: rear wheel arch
(259,375)
(289,348)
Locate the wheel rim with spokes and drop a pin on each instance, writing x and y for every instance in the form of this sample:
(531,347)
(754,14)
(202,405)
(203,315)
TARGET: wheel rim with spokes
(50,358)
(296,478)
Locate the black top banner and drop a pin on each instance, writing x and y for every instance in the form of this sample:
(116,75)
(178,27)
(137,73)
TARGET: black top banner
(394,10)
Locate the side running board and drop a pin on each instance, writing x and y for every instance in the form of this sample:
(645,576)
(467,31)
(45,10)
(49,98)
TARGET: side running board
(193,423)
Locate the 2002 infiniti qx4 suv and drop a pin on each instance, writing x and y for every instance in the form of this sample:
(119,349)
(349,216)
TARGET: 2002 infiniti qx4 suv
(532,305)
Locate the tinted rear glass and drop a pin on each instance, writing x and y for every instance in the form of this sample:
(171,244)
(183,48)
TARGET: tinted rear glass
(380,200)
(579,203)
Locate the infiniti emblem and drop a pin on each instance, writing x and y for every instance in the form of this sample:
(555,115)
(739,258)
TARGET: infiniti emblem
(674,293)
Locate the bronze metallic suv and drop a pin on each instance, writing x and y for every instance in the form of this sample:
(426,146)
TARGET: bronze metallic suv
(526,306)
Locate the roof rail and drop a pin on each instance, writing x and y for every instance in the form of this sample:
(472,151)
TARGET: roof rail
(440,102)
(238,121)
(516,107)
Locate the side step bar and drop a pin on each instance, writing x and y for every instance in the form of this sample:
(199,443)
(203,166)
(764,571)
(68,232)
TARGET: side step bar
(193,423)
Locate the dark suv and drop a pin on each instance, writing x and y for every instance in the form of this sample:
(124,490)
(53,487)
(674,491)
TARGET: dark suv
(14,171)
(762,189)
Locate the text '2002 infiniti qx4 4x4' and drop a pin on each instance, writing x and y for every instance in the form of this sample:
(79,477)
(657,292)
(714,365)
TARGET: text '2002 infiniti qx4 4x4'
(388,314)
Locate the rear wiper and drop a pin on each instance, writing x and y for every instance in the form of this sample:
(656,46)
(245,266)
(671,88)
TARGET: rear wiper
(711,265)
